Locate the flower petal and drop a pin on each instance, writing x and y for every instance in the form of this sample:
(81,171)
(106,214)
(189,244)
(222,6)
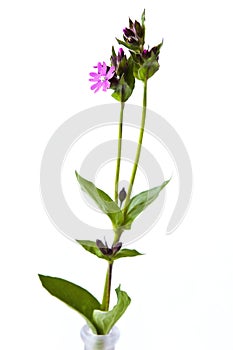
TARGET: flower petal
(104,68)
(93,74)
(99,66)
(96,85)
(105,85)
(110,73)
(93,79)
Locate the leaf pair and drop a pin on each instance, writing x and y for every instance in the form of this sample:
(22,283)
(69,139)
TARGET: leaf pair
(124,218)
(78,298)
(92,248)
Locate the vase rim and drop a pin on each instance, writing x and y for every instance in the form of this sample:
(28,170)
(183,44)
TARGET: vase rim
(103,341)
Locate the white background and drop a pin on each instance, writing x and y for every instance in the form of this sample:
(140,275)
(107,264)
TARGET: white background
(182,289)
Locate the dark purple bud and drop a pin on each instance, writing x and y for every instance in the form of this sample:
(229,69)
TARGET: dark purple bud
(130,23)
(122,195)
(121,53)
(114,58)
(128,32)
(146,54)
(105,250)
(114,61)
(116,247)
(132,40)
(138,29)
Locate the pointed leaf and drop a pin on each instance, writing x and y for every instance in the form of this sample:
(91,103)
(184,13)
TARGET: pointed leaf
(140,202)
(76,297)
(129,46)
(122,91)
(149,68)
(102,199)
(105,320)
(92,248)
(125,253)
(143,17)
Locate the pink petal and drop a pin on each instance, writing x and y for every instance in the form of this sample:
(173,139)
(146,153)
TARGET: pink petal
(104,68)
(94,79)
(105,85)
(98,87)
(99,66)
(94,86)
(110,73)
(93,74)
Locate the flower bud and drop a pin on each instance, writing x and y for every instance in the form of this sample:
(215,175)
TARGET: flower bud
(134,36)
(105,250)
(123,80)
(146,63)
(116,247)
(128,32)
(122,195)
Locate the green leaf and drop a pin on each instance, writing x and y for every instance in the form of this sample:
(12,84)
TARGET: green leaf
(105,320)
(122,91)
(129,77)
(140,202)
(129,46)
(92,248)
(124,87)
(143,17)
(74,296)
(102,199)
(125,253)
(147,69)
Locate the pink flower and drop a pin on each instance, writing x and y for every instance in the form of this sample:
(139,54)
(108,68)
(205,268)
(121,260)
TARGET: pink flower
(102,77)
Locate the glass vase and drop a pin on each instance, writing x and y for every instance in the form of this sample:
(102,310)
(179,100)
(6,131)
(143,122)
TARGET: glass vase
(99,342)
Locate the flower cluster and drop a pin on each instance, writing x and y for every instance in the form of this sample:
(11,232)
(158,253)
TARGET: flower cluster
(134,36)
(141,64)
(105,250)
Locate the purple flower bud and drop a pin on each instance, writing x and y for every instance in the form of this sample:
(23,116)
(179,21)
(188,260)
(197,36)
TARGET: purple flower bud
(116,247)
(146,54)
(134,35)
(105,250)
(121,53)
(128,32)
(132,40)
(138,29)
(122,195)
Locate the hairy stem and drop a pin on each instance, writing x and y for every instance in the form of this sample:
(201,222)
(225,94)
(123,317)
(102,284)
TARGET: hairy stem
(138,152)
(107,288)
(118,164)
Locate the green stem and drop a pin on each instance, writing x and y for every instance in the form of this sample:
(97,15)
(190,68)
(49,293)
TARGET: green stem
(117,235)
(138,152)
(107,288)
(108,279)
(118,164)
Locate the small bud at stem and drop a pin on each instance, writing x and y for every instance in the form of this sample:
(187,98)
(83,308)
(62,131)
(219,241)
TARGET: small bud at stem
(122,196)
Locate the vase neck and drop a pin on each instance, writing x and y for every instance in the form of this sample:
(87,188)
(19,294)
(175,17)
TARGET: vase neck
(99,342)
